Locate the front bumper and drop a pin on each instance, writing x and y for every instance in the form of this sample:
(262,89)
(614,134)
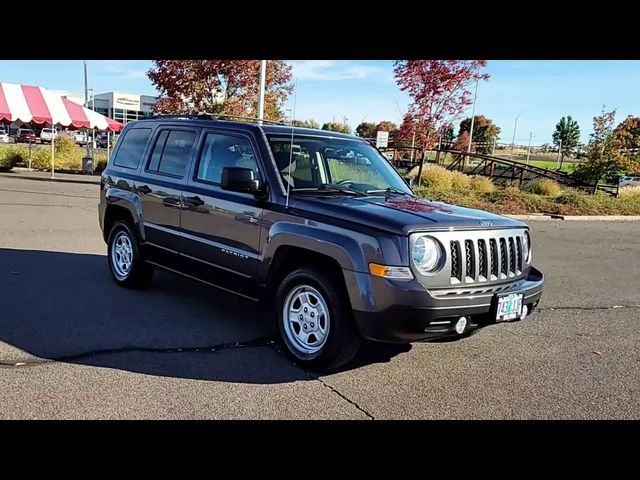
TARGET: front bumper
(413,319)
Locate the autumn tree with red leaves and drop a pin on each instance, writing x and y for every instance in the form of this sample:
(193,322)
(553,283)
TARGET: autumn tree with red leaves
(220,86)
(440,90)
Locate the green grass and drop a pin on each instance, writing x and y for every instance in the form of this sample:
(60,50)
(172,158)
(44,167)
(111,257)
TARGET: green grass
(551,165)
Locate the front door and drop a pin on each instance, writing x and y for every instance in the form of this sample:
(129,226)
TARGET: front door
(221,228)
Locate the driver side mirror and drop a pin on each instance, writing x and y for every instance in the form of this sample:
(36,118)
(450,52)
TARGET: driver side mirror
(241,180)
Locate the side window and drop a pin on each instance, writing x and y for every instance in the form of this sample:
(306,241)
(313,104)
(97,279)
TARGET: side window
(171,152)
(221,151)
(131,148)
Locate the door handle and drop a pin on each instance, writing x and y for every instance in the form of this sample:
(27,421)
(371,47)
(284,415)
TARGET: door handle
(194,201)
(143,189)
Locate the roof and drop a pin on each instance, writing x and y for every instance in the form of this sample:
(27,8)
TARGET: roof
(268,128)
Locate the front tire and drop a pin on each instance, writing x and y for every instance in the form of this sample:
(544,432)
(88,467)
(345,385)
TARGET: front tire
(126,264)
(314,320)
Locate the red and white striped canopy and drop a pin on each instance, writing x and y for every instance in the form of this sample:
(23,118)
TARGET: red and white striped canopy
(24,103)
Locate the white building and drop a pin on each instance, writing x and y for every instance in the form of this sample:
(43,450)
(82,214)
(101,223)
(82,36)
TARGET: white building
(123,107)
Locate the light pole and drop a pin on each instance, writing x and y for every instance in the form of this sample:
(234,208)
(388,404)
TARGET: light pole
(263,74)
(513,141)
(529,147)
(473,117)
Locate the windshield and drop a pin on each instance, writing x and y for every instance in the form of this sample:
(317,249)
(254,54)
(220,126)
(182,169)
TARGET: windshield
(325,163)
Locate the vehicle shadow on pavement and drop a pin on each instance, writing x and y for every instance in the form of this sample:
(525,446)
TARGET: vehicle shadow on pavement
(65,307)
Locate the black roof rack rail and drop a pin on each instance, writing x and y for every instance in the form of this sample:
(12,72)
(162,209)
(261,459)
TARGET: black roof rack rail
(211,116)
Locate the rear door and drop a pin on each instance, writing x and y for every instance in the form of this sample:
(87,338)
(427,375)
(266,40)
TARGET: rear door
(159,185)
(222,228)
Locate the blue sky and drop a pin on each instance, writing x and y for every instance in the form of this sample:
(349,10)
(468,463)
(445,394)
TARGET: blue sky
(365,90)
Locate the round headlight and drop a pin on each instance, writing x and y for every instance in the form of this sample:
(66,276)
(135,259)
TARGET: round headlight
(526,247)
(426,254)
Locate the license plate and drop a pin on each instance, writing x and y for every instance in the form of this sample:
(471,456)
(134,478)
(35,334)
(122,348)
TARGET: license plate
(509,307)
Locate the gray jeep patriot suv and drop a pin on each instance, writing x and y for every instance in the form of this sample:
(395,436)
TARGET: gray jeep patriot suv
(317,224)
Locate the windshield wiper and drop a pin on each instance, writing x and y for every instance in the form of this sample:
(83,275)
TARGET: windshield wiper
(330,188)
(388,191)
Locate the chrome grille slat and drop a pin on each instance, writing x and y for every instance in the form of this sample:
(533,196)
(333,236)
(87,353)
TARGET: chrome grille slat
(455,262)
(470,262)
(503,257)
(483,261)
(494,258)
(519,253)
(511,257)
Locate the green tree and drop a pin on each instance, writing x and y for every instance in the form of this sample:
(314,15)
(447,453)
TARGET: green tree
(366,130)
(484,132)
(604,152)
(566,136)
(337,127)
(448,133)
(311,123)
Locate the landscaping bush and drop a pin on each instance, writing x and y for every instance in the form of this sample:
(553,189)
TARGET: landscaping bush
(482,184)
(8,158)
(433,176)
(460,180)
(630,191)
(544,187)
(511,201)
(99,161)
(65,145)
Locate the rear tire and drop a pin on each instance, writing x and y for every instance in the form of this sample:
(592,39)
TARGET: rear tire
(314,320)
(126,264)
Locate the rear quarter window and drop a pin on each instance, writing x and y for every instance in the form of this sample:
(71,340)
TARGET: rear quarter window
(131,147)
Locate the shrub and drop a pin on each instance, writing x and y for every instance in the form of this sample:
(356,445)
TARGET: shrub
(545,187)
(8,158)
(482,184)
(65,145)
(99,161)
(630,191)
(433,176)
(460,180)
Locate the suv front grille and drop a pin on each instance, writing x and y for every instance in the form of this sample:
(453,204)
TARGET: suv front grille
(478,260)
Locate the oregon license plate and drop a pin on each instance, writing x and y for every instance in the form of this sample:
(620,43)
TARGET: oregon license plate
(509,307)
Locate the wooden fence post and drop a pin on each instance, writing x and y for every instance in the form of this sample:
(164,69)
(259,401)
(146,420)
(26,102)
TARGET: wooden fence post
(420,168)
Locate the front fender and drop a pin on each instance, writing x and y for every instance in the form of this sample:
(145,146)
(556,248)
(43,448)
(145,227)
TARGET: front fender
(352,250)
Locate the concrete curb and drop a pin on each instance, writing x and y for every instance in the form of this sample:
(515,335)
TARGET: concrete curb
(83,179)
(578,218)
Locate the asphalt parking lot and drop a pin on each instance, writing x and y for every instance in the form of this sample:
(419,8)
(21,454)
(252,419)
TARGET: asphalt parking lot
(74,345)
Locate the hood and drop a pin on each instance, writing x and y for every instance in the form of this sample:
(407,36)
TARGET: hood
(402,215)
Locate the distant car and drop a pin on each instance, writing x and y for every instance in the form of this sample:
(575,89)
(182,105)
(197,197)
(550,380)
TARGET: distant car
(4,136)
(25,135)
(81,138)
(102,139)
(47,134)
